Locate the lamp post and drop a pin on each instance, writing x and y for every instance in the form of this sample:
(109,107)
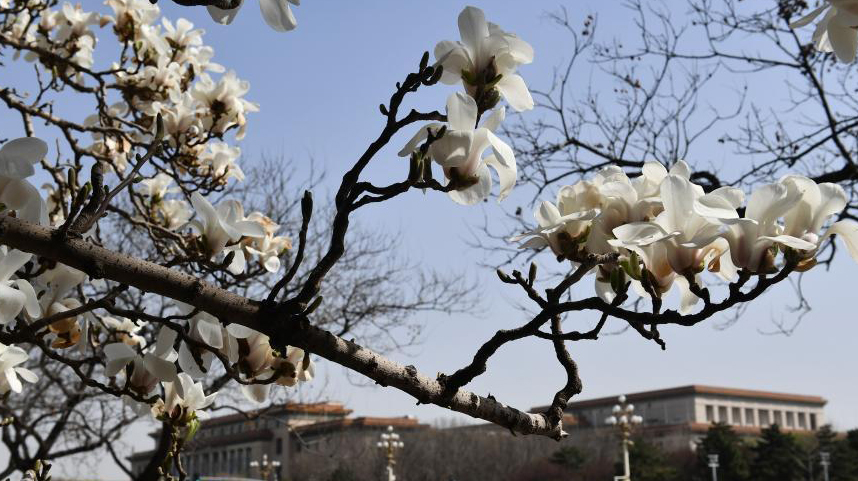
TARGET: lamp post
(265,467)
(624,419)
(713,463)
(825,461)
(389,444)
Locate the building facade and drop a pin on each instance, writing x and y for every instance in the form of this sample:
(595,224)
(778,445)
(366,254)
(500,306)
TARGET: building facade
(677,418)
(225,446)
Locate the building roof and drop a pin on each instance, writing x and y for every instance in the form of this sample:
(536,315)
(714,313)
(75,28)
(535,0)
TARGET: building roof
(321,408)
(696,389)
(405,422)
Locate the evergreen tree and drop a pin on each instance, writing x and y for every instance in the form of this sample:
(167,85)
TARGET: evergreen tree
(732,455)
(648,463)
(568,457)
(342,473)
(777,457)
(843,458)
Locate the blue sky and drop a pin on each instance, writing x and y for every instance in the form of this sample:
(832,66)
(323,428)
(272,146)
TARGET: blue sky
(319,88)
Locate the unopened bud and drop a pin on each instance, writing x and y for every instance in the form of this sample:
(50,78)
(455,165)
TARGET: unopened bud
(504,277)
(307,204)
(71,178)
(415,168)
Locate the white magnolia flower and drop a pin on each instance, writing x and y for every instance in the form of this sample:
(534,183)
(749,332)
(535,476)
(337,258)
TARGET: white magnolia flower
(688,235)
(818,203)
(752,236)
(10,358)
(129,14)
(158,186)
(256,361)
(586,213)
(157,364)
(689,242)
(226,98)
(15,299)
(277,13)
(74,22)
(460,151)
(183,399)
(182,114)
(125,330)
(219,161)
(269,248)
(836,32)
(175,213)
(182,35)
(17,158)
(207,329)
(164,74)
(223,224)
(485,52)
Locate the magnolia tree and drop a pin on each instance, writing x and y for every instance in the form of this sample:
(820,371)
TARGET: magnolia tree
(206,293)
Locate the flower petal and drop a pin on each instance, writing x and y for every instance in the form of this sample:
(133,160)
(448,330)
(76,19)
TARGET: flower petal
(514,91)
(11,303)
(418,138)
(846,230)
(166,338)
(11,262)
(224,16)
(506,176)
(257,393)
(18,156)
(32,306)
(809,17)
(473,27)
(162,369)
(477,192)
(27,374)
(461,111)
(210,331)
(844,41)
(278,15)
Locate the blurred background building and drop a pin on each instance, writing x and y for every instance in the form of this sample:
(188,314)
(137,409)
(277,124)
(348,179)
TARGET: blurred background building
(299,438)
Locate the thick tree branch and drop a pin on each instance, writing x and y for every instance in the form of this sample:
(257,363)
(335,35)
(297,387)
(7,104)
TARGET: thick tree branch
(232,308)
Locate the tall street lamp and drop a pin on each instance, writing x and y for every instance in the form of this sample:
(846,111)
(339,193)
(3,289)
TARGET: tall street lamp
(713,463)
(265,467)
(389,444)
(624,419)
(825,461)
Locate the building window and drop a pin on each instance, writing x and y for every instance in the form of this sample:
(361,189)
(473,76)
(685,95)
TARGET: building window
(737,416)
(790,420)
(749,417)
(215,461)
(802,421)
(247,458)
(278,448)
(779,418)
(722,414)
(813,421)
(764,417)
(710,413)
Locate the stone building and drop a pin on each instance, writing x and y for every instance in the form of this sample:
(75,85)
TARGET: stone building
(676,418)
(225,446)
